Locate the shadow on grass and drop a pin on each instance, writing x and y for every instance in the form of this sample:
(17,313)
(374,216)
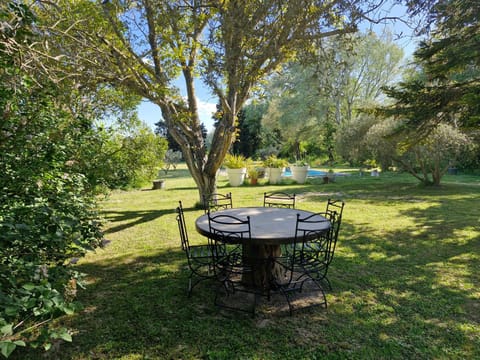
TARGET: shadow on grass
(389,186)
(132,218)
(392,298)
(141,307)
(397,294)
(414,293)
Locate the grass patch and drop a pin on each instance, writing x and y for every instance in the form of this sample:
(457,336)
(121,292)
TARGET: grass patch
(405,279)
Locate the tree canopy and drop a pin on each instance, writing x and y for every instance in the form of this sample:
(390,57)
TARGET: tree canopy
(446,87)
(311,101)
(143,46)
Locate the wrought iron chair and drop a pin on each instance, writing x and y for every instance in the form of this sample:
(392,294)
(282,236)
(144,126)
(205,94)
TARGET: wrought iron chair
(317,255)
(233,270)
(199,257)
(217,201)
(279,199)
(282,200)
(297,284)
(337,206)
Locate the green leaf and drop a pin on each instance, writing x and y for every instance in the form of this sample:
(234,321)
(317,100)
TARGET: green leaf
(61,334)
(29,287)
(7,329)
(7,347)
(64,335)
(11,310)
(68,309)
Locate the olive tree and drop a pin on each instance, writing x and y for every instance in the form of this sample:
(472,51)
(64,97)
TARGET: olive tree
(147,45)
(312,102)
(427,160)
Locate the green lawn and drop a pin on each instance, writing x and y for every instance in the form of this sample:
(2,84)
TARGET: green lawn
(405,279)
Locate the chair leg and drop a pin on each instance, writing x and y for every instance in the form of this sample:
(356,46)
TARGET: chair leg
(192,284)
(325,280)
(231,293)
(190,287)
(299,289)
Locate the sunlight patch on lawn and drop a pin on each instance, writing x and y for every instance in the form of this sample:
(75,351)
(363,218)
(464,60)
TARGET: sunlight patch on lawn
(375,255)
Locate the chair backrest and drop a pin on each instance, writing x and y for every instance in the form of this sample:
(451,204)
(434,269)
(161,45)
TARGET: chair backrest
(315,239)
(279,199)
(332,235)
(229,229)
(217,201)
(313,226)
(335,208)
(182,228)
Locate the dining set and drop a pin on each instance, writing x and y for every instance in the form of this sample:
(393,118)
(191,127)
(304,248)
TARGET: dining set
(274,250)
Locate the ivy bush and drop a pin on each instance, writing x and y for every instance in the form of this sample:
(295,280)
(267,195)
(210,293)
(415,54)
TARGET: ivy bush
(47,214)
(46,220)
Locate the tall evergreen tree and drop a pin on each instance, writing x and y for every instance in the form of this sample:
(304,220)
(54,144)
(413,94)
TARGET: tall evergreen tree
(447,87)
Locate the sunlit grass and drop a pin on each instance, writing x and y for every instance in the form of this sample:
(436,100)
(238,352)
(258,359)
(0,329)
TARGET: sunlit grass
(405,278)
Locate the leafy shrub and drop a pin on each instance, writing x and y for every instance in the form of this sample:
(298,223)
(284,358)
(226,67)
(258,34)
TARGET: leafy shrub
(428,159)
(172,158)
(47,213)
(114,160)
(46,218)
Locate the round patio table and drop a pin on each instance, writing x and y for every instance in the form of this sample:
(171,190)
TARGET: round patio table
(270,228)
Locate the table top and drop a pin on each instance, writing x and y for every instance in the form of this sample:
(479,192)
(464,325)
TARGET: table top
(269,225)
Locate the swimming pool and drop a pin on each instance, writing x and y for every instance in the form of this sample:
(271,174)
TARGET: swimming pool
(310,173)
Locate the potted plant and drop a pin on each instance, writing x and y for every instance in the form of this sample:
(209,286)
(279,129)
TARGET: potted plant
(236,169)
(253,175)
(299,171)
(274,168)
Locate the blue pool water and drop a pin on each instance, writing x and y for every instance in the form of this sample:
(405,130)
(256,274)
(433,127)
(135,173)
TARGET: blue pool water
(310,173)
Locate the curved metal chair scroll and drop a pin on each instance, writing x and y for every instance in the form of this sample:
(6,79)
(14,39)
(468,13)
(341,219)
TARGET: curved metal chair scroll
(232,269)
(279,199)
(199,257)
(217,201)
(335,206)
(297,284)
(317,255)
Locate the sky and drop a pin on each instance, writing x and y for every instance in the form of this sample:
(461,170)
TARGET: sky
(207,104)
(150,113)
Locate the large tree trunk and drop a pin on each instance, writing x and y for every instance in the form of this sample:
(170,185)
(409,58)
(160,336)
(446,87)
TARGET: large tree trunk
(184,126)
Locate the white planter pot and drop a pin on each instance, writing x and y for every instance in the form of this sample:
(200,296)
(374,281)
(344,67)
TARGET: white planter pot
(274,175)
(236,176)
(299,173)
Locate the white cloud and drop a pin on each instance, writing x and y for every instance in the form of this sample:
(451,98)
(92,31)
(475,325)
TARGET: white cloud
(205,112)
(150,113)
